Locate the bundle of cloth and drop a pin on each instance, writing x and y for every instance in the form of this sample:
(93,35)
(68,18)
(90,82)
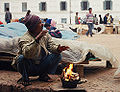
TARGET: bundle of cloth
(78,51)
(16,29)
(70,35)
(11,30)
(76,54)
(10,34)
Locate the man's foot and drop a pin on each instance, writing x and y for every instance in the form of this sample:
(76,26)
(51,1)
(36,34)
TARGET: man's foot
(45,78)
(24,81)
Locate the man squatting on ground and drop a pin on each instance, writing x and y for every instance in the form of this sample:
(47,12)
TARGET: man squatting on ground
(38,55)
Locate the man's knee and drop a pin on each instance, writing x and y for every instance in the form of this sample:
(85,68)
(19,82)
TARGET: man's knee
(58,56)
(20,59)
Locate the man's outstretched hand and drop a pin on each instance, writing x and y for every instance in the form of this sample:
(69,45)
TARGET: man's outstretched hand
(62,48)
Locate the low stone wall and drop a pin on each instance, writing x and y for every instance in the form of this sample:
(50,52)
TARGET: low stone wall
(17,88)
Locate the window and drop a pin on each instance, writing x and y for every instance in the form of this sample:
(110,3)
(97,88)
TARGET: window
(42,6)
(63,20)
(6,5)
(63,6)
(107,5)
(84,5)
(24,6)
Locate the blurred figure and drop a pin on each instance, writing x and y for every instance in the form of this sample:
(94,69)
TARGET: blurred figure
(53,31)
(106,18)
(47,20)
(100,21)
(76,18)
(95,19)
(8,16)
(53,23)
(28,12)
(89,22)
(110,20)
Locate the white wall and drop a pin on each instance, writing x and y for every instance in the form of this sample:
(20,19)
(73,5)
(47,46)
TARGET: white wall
(53,9)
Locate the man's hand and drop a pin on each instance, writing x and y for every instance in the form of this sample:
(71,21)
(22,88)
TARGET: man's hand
(62,48)
(41,34)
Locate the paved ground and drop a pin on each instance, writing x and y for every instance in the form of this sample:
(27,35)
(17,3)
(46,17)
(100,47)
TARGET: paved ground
(100,79)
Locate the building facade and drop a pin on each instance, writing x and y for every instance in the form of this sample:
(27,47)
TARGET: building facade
(62,11)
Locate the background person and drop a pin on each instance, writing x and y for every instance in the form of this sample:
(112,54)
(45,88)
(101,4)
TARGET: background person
(89,22)
(53,31)
(100,20)
(95,19)
(8,16)
(76,18)
(106,18)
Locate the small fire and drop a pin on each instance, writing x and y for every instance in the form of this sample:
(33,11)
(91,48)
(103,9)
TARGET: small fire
(68,73)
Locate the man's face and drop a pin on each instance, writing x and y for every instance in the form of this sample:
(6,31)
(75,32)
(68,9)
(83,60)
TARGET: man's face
(39,28)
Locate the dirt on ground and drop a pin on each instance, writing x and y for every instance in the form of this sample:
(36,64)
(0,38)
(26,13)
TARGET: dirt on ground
(99,78)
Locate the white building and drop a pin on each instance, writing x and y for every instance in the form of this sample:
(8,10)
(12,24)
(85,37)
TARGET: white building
(63,11)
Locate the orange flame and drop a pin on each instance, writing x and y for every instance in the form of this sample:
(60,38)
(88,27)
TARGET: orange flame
(68,72)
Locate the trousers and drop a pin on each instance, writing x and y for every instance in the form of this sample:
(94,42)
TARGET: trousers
(27,67)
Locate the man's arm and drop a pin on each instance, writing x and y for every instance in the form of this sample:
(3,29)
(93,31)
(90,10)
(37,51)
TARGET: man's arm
(51,46)
(28,49)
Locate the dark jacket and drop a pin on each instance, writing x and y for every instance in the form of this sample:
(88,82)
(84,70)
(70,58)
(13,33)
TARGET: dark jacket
(8,16)
(105,20)
(100,21)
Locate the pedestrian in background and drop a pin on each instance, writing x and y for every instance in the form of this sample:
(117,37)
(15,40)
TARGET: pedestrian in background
(8,16)
(106,18)
(95,20)
(100,20)
(76,18)
(89,22)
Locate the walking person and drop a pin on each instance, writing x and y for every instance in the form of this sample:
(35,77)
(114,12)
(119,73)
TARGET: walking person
(100,21)
(89,22)
(8,16)
(76,18)
(106,18)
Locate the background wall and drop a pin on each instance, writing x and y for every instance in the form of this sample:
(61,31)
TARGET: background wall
(53,9)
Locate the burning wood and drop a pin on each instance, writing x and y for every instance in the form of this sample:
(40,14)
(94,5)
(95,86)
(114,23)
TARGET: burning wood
(69,75)
(69,78)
